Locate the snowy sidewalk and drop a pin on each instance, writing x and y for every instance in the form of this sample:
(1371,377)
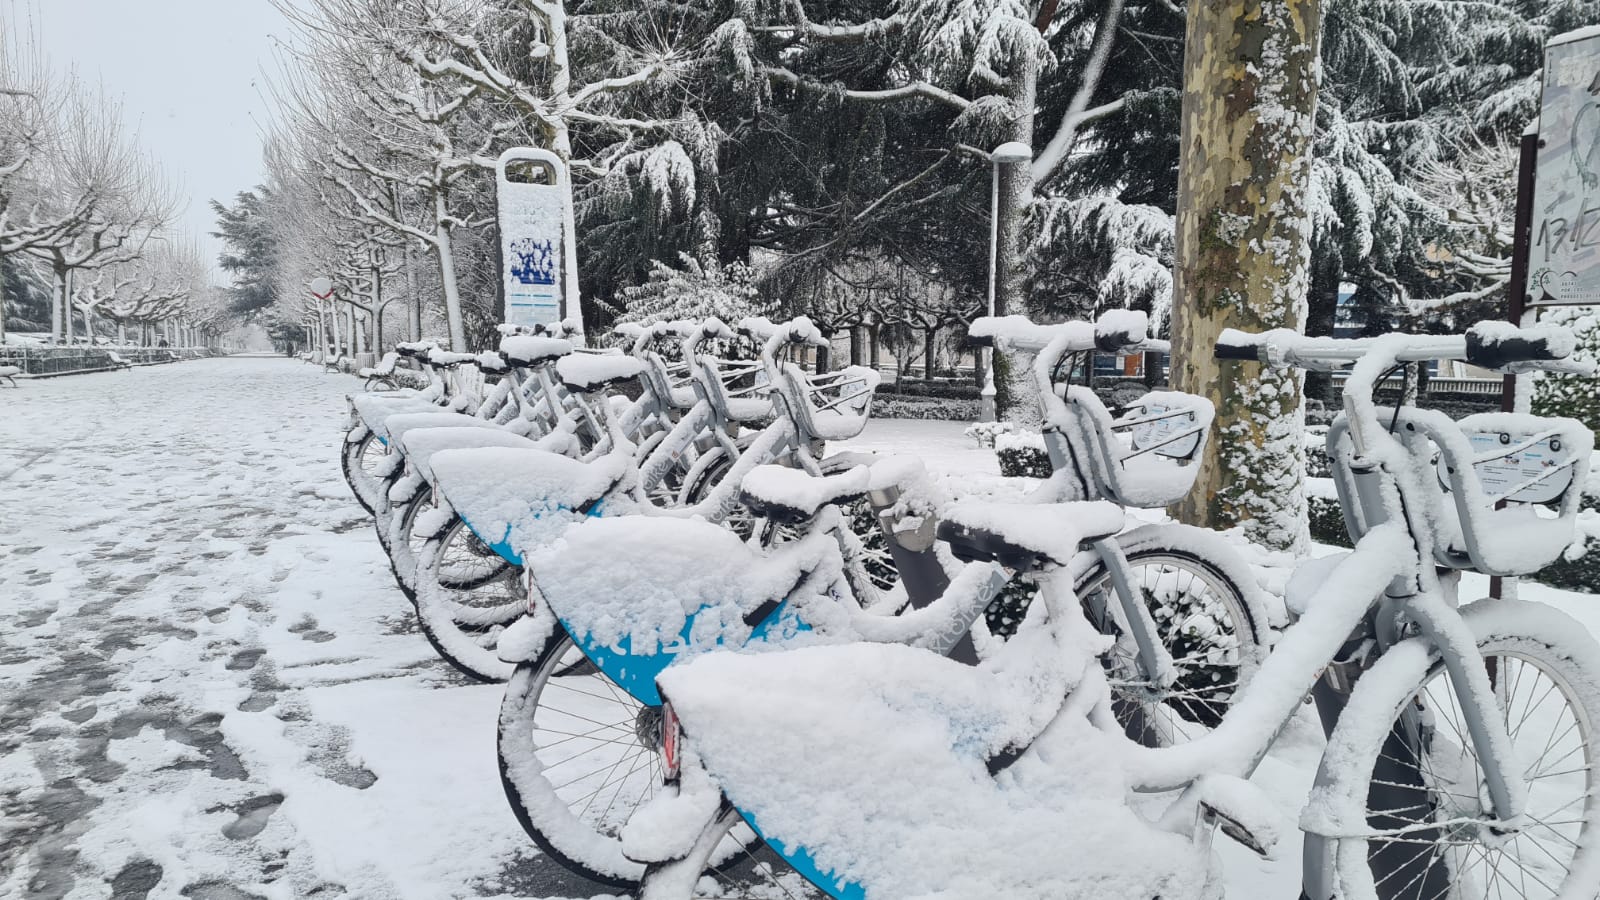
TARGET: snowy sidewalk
(209,684)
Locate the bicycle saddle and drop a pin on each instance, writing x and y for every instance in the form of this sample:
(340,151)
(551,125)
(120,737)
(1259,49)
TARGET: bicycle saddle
(794,496)
(447,359)
(585,373)
(397,426)
(523,351)
(492,363)
(422,443)
(1023,535)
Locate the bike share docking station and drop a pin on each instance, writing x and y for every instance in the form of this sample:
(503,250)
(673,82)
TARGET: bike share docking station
(538,246)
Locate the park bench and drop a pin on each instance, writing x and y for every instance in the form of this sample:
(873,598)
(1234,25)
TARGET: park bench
(117,362)
(10,373)
(333,363)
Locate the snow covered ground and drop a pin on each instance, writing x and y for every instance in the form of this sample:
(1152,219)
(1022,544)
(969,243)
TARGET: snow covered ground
(211,688)
(209,684)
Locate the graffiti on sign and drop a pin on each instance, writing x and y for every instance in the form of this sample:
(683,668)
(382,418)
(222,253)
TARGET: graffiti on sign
(1564,257)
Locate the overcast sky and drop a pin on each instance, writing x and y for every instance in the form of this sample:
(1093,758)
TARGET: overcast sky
(187,72)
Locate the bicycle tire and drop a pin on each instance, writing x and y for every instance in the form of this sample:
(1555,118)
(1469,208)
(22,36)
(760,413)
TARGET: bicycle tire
(463,625)
(595,852)
(1206,686)
(1514,638)
(351,456)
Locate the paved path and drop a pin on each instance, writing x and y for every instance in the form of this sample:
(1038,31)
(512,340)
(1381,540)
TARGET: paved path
(209,685)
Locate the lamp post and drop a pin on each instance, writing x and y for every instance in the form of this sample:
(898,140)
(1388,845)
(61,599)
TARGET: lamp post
(1004,156)
(322,290)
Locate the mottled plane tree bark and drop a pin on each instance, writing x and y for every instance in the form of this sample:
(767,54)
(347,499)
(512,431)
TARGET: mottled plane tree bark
(1243,252)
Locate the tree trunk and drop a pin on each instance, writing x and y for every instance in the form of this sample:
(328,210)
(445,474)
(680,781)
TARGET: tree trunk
(929,366)
(873,346)
(858,345)
(413,300)
(1243,236)
(375,344)
(560,68)
(447,274)
(1322,309)
(1020,395)
(58,292)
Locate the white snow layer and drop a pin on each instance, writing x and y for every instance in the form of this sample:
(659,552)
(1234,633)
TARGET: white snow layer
(872,758)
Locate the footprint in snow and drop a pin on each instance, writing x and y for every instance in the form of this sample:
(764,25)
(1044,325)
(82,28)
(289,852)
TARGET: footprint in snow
(245,659)
(253,816)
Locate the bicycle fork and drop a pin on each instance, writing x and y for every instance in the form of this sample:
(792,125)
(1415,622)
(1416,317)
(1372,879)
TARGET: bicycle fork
(1398,797)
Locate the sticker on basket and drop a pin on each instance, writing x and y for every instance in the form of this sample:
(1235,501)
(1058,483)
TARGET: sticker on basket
(1504,473)
(1161,431)
(853,394)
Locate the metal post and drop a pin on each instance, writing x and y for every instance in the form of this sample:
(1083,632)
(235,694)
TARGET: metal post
(1517,290)
(986,410)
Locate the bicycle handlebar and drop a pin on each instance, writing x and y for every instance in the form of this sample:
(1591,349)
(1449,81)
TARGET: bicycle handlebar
(1117,331)
(1498,346)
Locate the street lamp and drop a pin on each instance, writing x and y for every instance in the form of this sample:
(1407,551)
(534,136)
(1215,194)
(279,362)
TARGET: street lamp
(1009,153)
(322,290)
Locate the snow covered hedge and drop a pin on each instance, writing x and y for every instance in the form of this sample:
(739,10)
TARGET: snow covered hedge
(896,406)
(1022,454)
(1575,396)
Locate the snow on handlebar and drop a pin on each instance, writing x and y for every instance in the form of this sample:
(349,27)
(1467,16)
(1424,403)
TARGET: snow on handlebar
(759,328)
(1499,346)
(1117,331)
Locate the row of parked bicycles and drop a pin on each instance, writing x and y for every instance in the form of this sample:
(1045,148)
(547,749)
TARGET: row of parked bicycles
(739,665)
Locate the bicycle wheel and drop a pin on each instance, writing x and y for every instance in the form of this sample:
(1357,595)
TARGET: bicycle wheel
(1204,621)
(464,624)
(403,542)
(463,560)
(358,459)
(578,755)
(868,564)
(1426,798)
(750,872)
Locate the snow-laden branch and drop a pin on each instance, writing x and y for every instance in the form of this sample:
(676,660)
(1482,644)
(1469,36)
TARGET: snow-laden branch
(916,89)
(1078,112)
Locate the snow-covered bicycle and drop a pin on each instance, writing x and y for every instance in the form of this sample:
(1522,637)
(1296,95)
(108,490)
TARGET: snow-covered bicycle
(541,415)
(586,709)
(499,499)
(1461,748)
(1183,653)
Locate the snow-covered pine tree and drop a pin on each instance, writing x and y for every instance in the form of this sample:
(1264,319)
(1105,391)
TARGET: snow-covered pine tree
(1089,254)
(694,291)
(1576,396)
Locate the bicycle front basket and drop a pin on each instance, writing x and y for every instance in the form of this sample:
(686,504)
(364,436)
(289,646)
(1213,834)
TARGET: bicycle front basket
(834,406)
(1515,481)
(1146,457)
(737,388)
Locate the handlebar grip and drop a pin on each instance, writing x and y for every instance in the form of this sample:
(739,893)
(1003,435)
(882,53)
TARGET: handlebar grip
(1497,345)
(1116,341)
(1237,345)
